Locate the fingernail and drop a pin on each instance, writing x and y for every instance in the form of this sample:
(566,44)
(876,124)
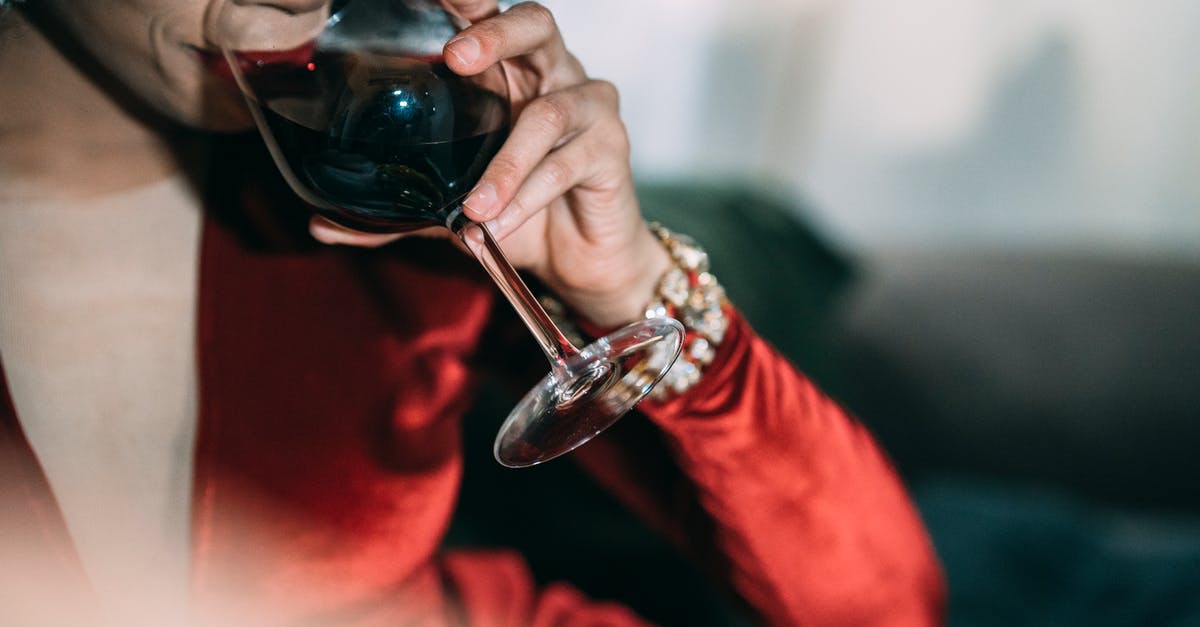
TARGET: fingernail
(473,239)
(482,201)
(465,48)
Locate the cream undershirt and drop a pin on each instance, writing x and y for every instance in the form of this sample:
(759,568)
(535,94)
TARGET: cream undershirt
(97,318)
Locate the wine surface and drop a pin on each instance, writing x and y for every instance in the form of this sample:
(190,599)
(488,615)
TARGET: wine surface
(376,142)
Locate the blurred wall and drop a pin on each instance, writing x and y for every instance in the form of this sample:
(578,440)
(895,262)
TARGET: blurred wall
(1051,124)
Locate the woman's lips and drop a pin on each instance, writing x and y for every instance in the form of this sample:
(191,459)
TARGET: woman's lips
(215,63)
(249,61)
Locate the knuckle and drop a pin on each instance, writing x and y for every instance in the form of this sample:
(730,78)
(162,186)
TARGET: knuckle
(557,173)
(505,172)
(553,113)
(606,92)
(540,14)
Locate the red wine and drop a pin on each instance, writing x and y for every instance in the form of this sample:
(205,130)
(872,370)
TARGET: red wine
(376,142)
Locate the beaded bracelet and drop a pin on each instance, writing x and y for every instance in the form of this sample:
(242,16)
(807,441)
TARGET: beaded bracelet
(687,292)
(690,294)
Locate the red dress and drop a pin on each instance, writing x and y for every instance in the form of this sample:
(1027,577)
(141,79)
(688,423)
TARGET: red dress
(332,384)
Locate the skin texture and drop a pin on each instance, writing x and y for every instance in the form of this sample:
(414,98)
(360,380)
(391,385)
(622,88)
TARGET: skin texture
(126,75)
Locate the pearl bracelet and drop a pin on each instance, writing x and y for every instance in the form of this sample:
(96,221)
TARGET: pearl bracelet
(687,292)
(690,294)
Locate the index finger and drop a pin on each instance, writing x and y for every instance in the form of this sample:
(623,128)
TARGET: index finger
(527,30)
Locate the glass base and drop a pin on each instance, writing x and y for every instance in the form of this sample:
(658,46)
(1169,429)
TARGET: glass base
(606,379)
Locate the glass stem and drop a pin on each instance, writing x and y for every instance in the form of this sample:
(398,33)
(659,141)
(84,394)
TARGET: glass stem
(487,250)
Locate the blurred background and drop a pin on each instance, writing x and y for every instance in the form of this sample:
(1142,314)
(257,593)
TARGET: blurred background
(976,223)
(1060,124)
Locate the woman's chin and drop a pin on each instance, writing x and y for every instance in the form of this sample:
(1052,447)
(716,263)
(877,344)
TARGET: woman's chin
(231,120)
(216,110)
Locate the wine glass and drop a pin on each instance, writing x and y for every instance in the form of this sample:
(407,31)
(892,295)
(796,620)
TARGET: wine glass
(369,126)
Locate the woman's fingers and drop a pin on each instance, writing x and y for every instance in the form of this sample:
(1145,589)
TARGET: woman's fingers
(550,122)
(526,30)
(328,232)
(587,165)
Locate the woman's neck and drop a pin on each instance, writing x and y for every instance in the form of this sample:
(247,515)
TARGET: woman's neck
(61,134)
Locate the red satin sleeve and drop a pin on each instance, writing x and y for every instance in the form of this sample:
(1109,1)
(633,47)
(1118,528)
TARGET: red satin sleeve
(807,518)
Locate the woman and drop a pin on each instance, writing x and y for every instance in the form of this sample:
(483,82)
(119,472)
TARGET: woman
(206,413)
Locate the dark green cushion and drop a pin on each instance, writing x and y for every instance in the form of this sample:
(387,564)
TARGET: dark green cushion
(775,266)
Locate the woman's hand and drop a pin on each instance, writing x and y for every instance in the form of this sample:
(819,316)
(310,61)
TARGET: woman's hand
(559,193)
